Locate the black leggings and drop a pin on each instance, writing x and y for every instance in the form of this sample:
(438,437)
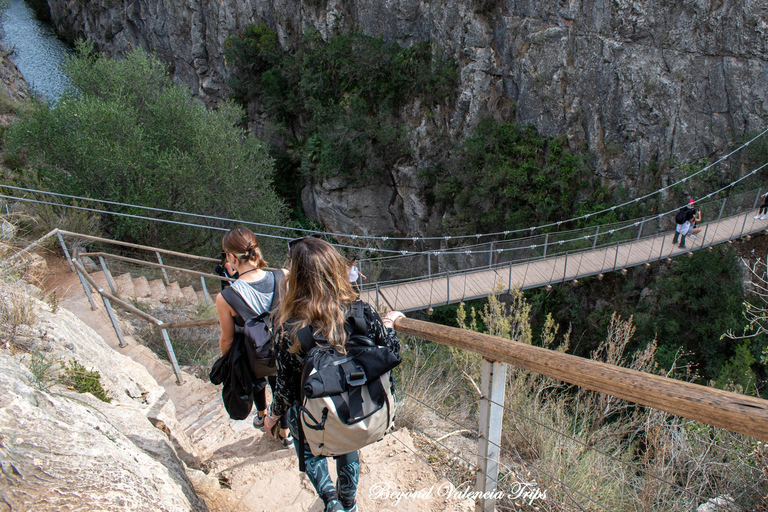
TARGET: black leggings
(763,209)
(260,396)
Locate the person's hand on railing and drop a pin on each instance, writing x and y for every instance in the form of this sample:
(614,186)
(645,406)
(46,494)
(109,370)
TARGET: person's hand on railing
(390,318)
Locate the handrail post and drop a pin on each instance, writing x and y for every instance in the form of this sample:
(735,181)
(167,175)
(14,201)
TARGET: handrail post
(616,258)
(378,308)
(565,267)
(113,319)
(66,251)
(86,288)
(640,229)
(744,224)
(429,266)
(165,273)
(722,208)
(447,287)
(757,199)
(206,295)
(546,241)
(489,445)
(509,287)
(490,255)
(597,232)
(108,275)
(171,354)
(661,251)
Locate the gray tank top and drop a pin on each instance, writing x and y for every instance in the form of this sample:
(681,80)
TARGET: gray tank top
(258,294)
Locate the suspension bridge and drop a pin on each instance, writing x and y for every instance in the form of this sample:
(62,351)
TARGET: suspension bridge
(453,287)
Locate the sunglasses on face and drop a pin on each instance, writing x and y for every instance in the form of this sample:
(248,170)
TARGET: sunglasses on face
(295,241)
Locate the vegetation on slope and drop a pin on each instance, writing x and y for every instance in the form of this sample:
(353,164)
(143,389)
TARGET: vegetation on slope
(126,133)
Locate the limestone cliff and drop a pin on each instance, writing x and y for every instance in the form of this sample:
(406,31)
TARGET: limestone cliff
(632,81)
(62,450)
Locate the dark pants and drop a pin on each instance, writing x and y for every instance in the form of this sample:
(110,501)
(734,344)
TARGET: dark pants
(260,396)
(347,469)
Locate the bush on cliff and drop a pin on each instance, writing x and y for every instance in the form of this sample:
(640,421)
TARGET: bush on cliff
(126,133)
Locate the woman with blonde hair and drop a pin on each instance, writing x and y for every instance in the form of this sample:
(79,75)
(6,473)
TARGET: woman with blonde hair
(256,288)
(318,296)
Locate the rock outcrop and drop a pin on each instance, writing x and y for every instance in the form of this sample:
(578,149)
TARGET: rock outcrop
(62,450)
(634,82)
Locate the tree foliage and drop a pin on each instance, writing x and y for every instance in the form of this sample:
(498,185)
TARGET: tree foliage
(507,176)
(126,133)
(336,102)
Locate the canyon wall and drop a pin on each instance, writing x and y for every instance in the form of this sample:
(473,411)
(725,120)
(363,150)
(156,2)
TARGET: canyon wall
(633,82)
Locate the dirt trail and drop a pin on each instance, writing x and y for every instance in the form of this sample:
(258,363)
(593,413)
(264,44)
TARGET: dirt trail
(260,474)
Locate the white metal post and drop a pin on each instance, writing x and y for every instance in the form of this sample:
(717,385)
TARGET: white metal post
(493,387)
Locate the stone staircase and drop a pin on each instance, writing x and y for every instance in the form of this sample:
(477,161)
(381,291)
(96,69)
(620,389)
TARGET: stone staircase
(143,290)
(257,474)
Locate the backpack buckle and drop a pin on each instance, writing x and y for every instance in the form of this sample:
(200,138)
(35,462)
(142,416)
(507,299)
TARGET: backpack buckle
(356,378)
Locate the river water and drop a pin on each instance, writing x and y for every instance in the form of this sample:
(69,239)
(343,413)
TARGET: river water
(37,51)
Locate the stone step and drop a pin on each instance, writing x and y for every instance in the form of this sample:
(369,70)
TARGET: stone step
(141,287)
(158,290)
(173,291)
(124,285)
(190,296)
(101,280)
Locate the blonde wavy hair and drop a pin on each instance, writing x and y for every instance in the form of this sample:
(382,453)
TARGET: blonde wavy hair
(316,292)
(244,245)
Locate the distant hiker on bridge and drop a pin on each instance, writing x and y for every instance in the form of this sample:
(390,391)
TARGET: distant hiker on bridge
(354,275)
(763,209)
(683,220)
(311,313)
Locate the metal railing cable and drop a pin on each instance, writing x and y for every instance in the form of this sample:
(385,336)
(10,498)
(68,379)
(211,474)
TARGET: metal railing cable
(406,238)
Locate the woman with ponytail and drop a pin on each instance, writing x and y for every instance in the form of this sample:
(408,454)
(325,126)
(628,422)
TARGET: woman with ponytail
(256,287)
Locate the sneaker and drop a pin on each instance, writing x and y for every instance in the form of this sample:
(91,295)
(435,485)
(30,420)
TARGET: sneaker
(286,441)
(762,217)
(681,246)
(258,421)
(334,506)
(353,508)
(693,237)
(756,216)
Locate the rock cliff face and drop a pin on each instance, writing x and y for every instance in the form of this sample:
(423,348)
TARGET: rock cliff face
(62,450)
(632,81)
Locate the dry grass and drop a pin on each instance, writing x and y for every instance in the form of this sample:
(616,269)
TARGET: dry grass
(589,451)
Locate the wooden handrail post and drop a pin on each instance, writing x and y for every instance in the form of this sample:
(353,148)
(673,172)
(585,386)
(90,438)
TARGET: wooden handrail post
(66,251)
(493,388)
(86,288)
(107,275)
(171,354)
(113,319)
(165,272)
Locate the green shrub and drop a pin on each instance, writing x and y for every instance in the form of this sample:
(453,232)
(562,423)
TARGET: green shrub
(126,133)
(507,176)
(83,380)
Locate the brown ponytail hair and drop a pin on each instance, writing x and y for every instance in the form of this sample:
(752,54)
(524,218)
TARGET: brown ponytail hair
(243,244)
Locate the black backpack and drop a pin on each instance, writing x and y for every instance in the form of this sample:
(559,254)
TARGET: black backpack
(681,215)
(346,400)
(258,332)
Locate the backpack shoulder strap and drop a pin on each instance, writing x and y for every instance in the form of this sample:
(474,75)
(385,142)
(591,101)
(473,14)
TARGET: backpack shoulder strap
(357,318)
(278,273)
(237,303)
(306,339)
